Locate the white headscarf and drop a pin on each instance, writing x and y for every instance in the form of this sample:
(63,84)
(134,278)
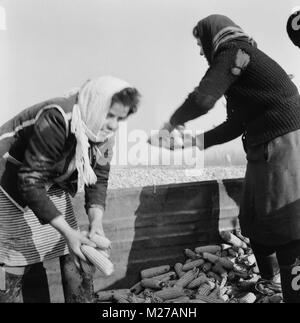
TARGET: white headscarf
(88,116)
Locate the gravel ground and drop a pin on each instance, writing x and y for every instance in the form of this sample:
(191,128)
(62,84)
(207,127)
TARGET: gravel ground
(148,176)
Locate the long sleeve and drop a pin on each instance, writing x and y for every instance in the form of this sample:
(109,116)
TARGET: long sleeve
(231,129)
(45,148)
(212,87)
(95,195)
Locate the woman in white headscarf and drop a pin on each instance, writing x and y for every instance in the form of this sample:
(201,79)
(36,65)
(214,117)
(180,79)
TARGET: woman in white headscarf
(47,152)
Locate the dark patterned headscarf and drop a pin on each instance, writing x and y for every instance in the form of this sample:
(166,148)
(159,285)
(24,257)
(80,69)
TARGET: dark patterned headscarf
(215,30)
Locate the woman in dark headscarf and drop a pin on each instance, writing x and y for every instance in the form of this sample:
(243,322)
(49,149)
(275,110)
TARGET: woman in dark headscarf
(263,104)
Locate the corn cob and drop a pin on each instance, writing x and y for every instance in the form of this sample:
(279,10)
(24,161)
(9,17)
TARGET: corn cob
(187,277)
(170,293)
(178,269)
(191,254)
(210,249)
(207,267)
(224,281)
(152,283)
(215,293)
(204,290)
(224,298)
(87,267)
(171,283)
(208,299)
(97,258)
(231,276)
(248,298)
(137,288)
(155,271)
(166,277)
(224,253)
(101,242)
(105,296)
(201,279)
(232,239)
(210,257)
(193,264)
(226,263)
(219,269)
(215,276)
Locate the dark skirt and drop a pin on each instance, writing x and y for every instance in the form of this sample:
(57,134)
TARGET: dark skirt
(270,207)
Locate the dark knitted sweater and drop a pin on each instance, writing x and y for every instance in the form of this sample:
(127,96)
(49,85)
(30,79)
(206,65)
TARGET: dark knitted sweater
(262,102)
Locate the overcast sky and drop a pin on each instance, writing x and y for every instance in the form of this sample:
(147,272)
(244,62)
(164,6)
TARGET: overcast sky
(52,46)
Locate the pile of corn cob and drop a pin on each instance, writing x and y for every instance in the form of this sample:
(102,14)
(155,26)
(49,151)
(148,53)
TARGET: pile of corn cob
(224,273)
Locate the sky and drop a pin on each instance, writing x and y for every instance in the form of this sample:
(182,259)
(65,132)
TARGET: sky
(49,47)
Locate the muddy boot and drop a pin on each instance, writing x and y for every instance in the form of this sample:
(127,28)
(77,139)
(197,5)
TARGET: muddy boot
(77,285)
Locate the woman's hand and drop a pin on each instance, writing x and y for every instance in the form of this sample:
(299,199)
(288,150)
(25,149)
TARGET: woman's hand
(73,237)
(74,240)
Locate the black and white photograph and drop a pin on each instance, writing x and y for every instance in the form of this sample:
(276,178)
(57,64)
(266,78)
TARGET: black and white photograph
(149,154)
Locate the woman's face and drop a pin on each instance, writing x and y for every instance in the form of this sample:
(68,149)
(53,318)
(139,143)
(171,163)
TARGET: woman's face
(200,45)
(118,112)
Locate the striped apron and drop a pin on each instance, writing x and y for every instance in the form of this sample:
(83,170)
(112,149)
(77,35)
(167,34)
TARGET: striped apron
(23,240)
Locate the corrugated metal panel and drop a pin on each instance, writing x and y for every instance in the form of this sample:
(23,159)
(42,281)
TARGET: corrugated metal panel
(152,225)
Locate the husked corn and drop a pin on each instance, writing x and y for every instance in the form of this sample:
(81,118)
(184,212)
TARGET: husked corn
(166,277)
(187,277)
(152,283)
(201,279)
(215,276)
(155,271)
(193,264)
(170,293)
(178,269)
(87,267)
(210,257)
(191,254)
(101,242)
(219,269)
(207,267)
(121,298)
(98,259)
(137,288)
(226,263)
(204,290)
(210,249)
